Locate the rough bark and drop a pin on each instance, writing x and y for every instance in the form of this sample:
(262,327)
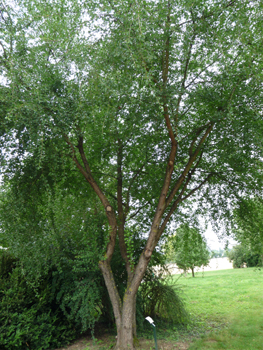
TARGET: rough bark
(125,338)
(125,312)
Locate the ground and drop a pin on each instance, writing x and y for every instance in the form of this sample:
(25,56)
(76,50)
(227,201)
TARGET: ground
(106,342)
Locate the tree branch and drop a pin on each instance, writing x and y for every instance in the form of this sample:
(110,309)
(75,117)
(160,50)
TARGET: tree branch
(190,162)
(138,210)
(181,199)
(185,75)
(88,176)
(129,188)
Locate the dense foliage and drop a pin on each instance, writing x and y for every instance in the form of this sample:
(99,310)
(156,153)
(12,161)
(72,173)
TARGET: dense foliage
(31,317)
(248,224)
(69,297)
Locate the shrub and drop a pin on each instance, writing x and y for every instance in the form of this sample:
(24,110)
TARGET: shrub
(161,299)
(30,317)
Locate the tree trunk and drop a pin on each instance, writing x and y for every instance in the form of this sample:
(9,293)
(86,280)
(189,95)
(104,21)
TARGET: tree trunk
(124,312)
(126,336)
(193,271)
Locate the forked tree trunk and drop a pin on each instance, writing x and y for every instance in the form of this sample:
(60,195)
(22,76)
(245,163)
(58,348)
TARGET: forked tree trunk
(124,311)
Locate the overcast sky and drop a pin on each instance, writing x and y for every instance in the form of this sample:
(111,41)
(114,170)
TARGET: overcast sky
(214,243)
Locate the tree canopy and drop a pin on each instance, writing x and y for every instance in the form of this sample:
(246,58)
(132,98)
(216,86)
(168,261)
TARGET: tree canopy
(153,103)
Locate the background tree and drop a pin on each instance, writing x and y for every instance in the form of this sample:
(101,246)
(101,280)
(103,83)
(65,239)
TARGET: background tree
(242,256)
(154,102)
(247,225)
(247,229)
(188,249)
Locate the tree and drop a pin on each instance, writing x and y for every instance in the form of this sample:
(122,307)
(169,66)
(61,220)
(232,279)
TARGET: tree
(155,103)
(243,256)
(247,227)
(188,249)
(248,223)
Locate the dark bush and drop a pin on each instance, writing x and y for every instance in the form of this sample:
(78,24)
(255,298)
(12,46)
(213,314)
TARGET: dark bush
(30,317)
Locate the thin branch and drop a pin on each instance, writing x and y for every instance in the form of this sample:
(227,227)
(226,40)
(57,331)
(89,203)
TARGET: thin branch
(197,188)
(231,3)
(189,164)
(105,174)
(121,215)
(181,199)
(129,188)
(5,55)
(198,75)
(115,198)
(185,73)
(138,210)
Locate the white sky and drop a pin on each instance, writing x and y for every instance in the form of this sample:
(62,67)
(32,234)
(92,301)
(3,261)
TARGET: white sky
(213,241)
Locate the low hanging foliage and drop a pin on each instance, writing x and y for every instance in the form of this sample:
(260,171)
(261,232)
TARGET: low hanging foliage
(163,300)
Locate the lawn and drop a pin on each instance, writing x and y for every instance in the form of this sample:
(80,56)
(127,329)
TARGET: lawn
(226,309)
(228,306)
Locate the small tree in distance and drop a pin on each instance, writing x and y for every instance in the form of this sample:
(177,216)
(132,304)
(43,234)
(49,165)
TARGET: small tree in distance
(188,249)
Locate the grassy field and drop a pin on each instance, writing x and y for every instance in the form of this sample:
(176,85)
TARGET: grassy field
(228,305)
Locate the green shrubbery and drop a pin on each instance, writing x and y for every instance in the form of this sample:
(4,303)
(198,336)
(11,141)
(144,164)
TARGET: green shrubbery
(47,316)
(69,300)
(242,256)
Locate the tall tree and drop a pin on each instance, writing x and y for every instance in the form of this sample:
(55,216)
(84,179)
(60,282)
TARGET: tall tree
(155,102)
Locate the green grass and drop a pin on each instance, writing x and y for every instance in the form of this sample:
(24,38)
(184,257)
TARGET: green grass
(227,308)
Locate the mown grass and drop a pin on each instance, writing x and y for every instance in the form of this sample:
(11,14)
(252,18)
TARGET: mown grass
(227,308)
